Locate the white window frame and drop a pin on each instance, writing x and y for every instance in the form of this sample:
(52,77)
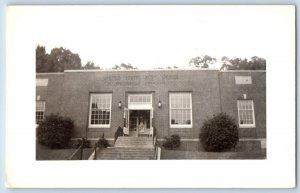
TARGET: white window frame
(253,115)
(191,109)
(90,111)
(42,110)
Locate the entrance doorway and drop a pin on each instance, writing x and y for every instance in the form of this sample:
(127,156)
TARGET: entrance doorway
(139,115)
(139,122)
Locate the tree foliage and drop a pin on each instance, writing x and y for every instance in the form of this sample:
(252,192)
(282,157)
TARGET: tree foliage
(42,59)
(58,60)
(90,65)
(172,67)
(256,63)
(124,66)
(203,61)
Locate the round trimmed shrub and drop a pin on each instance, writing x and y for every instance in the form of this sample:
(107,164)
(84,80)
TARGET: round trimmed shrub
(219,133)
(84,142)
(172,143)
(55,131)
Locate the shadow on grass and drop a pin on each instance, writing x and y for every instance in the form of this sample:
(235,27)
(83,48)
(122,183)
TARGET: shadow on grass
(45,153)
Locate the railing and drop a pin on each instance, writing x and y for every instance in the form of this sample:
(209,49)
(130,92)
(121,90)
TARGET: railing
(101,143)
(77,155)
(95,150)
(157,154)
(157,149)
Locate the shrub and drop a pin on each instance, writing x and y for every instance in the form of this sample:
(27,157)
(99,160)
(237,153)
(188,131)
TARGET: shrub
(55,131)
(84,141)
(172,143)
(219,133)
(118,133)
(102,142)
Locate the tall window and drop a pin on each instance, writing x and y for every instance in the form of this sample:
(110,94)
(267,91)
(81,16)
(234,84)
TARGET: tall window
(100,110)
(39,111)
(246,113)
(180,110)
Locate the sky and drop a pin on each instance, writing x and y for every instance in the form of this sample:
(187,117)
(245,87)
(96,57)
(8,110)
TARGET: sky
(151,36)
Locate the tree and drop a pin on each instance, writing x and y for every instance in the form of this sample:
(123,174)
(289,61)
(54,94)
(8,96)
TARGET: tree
(256,63)
(172,67)
(63,59)
(42,59)
(58,60)
(90,65)
(203,61)
(124,66)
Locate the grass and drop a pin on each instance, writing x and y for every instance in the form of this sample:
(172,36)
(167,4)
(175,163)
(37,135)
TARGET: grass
(45,153)
(175,154)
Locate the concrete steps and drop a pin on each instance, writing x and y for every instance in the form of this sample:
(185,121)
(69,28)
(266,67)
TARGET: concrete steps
(134,142)
(116,153)
(128,148)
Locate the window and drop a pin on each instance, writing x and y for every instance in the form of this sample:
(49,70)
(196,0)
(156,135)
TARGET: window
(246,113)
(180,110)
(140,98)
(39,111)
(100,110)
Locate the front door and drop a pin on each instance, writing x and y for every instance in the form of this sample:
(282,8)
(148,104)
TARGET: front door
(139,122)
(140,114)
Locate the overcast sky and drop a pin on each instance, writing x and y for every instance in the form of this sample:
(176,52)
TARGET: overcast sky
(151,36)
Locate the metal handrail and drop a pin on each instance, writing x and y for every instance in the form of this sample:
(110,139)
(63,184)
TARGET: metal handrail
(95,150)
(80,148)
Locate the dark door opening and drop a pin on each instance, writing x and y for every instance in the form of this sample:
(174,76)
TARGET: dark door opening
(139,121)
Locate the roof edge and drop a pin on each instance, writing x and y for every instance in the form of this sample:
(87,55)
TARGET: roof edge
(141,70)
(136,70)
(46,73)
(242,70)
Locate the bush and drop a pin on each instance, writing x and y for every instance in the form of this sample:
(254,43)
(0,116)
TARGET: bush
(55,131)
(102,142)
(219,133)
(84,142)
(172,143)
(118,133)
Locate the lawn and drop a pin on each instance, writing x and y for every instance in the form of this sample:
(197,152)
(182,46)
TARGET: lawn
(175,154)
(44,153)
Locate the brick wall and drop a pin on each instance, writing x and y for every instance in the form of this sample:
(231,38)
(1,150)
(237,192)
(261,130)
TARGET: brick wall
(231,92)
(69,94)
(52,93)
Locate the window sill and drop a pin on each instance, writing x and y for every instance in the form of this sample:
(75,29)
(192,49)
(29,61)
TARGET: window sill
(246,126)
(181,126)
(99,127)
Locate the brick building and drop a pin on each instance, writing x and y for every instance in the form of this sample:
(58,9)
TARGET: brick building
(172,101)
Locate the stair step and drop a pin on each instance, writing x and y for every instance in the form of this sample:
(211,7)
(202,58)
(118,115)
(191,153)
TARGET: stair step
(126,150)
(129,148)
